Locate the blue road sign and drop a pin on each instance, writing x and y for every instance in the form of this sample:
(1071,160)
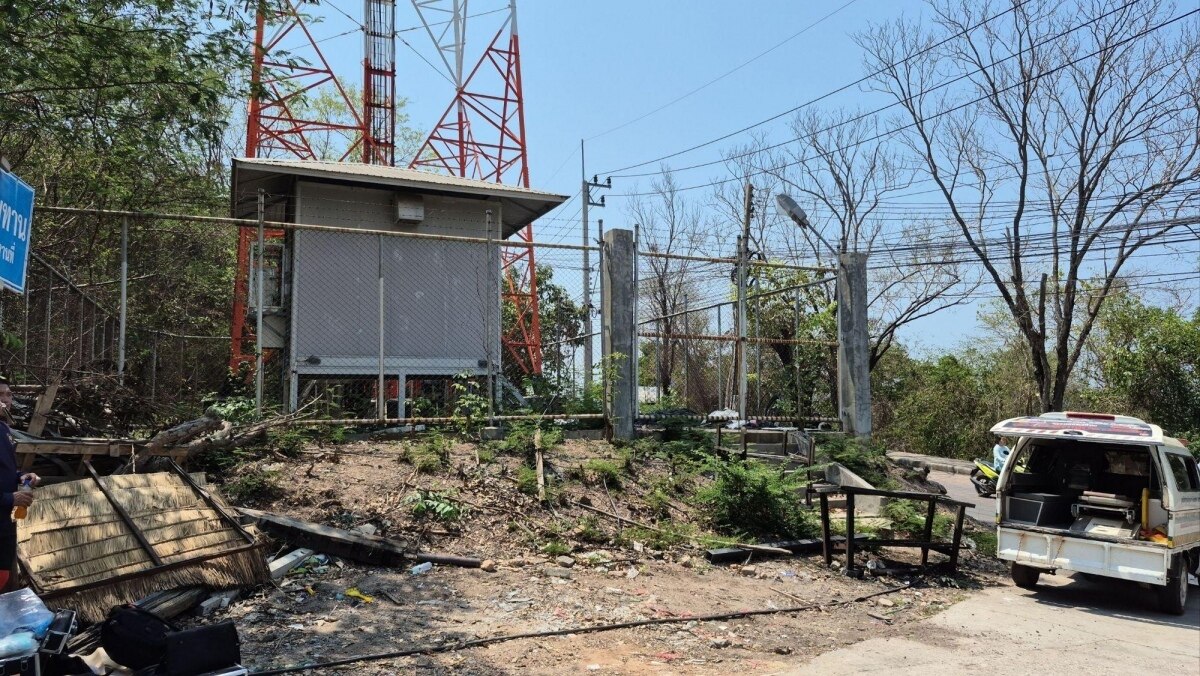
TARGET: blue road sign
(16,221)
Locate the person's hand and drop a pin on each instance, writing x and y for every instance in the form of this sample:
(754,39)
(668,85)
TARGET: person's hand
(32,478)
(22,499)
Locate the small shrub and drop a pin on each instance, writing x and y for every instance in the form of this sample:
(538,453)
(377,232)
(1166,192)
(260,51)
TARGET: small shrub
(519,439)
(668,536)
(602,472)
(908,516)
(658,500)
(589,530)
(253,485)
(863,458)
(287,440)
(527,480)
(556,548)
(756,499)
(985,542)
(486,455)
(431,455)
(436,505)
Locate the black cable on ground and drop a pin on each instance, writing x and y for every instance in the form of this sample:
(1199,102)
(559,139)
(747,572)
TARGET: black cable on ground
(475,643)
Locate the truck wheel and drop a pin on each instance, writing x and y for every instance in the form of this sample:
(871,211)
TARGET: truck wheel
(1173,597)
(1025,577)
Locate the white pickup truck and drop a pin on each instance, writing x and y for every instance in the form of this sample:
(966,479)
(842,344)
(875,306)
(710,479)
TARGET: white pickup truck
(1104,495)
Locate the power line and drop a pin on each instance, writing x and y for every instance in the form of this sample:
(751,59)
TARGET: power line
(725,74)
(961,106)
(822,97)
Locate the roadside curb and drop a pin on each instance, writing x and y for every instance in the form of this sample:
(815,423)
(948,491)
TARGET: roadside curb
(915,461)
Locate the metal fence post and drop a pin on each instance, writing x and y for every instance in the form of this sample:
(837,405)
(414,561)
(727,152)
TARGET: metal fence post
(153,365)
(49,310)
(258,314)
(720,363)
(381,395)
(124,299)
(634,340)
(796,357)
(25,346)
(687,351)
(493,270)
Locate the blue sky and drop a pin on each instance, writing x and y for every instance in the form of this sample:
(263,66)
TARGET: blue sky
(598,70)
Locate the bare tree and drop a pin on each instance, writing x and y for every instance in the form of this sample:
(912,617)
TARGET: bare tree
(669,226)
(849,174)
(1070,144)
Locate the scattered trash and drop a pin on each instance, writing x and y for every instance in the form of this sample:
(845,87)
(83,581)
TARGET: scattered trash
(354,593)
(421,568)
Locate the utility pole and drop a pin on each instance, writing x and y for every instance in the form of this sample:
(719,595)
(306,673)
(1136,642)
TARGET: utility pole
(743,260)
(258,310)
(586,193)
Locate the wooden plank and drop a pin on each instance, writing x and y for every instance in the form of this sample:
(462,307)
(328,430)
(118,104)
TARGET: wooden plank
(45,402)
(850,533)
(826,543)
(27,460)
(345,544)
(958,527)
(928,530)
(87,458)
(137,533)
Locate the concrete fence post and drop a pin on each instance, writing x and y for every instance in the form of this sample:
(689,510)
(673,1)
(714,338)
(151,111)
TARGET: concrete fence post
(854,350)
(618,316)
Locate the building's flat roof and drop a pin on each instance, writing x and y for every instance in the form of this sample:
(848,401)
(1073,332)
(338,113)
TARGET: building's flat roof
(522,206)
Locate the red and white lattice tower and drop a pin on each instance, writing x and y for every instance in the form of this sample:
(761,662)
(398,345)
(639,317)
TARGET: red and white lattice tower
(278,127)
(482,135)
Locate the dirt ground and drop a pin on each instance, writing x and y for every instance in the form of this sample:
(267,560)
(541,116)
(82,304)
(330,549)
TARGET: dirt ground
(607,577)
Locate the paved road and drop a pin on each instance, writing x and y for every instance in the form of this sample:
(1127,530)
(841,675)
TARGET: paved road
(1065,626)
(959,487)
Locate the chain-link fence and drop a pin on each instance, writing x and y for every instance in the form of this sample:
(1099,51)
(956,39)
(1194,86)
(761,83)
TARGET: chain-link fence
(355,321)
(697,356)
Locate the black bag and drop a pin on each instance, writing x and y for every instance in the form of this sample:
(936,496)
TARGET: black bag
(202,650)
(135,638)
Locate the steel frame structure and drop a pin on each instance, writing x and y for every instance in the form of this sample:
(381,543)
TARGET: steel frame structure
(275,127)
(481,135)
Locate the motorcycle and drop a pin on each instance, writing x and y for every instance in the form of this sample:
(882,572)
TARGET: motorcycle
(984,477)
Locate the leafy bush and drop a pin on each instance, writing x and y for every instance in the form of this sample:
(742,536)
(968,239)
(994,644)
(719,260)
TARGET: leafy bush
(556,548)
(589,530)
(667,536)
(288,441)
(437,505)
(756,499)
(235,409)
(863,458)
(527,480)
(602,472)
(908,516)
(431,455)
(520,437)
(253,484)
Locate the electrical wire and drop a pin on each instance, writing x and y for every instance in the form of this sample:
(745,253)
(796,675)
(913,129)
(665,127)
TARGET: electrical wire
(822,97)
(725,74)
(933,116)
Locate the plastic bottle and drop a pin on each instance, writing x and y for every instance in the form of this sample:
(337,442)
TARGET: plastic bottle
(21,512)
(421,568)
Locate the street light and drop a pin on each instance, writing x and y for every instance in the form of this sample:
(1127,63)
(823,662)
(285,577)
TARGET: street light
(794,212)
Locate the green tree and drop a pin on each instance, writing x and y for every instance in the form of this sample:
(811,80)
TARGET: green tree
(560,318)
(1147,363)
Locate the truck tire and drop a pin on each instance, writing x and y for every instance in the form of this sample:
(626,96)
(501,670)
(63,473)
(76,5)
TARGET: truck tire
(1025,577)
(1172,598)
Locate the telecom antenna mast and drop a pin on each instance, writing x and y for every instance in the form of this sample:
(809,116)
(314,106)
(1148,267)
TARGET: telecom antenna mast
(379,82)
(482,135)
(278,127)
